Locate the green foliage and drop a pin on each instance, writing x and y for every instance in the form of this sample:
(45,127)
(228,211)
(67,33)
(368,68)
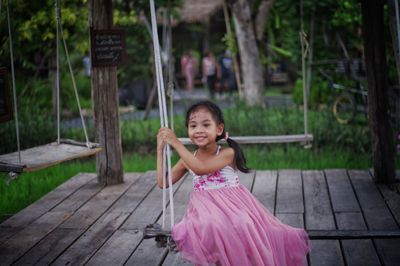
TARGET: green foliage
(319,92)
(230,42)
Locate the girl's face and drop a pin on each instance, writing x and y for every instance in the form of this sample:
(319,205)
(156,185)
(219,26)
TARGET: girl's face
(202,128)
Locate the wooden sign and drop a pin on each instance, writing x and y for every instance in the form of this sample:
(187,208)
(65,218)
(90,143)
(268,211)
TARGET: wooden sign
(5,102)
(107,47)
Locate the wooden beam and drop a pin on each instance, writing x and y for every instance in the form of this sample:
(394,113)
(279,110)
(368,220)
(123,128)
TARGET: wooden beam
(352,234)
(263,139)
(377,81)
(104,83)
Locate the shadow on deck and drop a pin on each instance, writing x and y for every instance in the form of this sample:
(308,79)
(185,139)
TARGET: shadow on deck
(81,222)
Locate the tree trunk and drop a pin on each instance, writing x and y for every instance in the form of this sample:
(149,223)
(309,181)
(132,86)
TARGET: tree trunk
(377,81)
(394,32)
(262,17)
(105,104)
(250,60)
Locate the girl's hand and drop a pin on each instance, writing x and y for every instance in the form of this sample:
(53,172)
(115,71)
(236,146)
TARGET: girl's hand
(166,135)
(160,143)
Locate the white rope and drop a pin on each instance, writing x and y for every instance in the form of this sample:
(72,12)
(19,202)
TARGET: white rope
(58,71)
(163,113)
(13,81)
(72,76)
(304,51)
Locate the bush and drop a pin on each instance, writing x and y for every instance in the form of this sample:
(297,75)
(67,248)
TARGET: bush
(319,92)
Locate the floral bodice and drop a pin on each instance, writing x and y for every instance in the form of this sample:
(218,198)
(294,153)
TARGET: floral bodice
(225,177)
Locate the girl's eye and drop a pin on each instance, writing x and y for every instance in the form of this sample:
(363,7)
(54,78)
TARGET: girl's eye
(192,126)
(206,125)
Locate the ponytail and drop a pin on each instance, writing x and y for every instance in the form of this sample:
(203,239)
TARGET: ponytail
(240,160)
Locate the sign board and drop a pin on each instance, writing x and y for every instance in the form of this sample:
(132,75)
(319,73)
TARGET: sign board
(5,102)
(108,47)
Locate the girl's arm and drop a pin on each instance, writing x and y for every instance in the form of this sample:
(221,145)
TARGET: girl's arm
(199,167)
(178,170)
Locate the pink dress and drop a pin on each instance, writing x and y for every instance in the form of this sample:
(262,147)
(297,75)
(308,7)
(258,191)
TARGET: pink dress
(224,223)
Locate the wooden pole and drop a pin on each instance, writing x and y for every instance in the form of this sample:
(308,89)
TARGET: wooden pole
(377,83)
(105,104)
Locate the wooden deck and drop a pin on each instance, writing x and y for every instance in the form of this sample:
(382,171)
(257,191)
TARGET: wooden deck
(81,222)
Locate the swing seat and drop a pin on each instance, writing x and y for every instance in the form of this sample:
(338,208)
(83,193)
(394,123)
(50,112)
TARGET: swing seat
(40,157)
(302,138)
(162,237)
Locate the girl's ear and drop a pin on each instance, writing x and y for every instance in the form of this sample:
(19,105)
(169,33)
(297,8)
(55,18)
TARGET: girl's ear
(220,129)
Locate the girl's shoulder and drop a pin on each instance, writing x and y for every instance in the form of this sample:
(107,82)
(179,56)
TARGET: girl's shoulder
(227,153)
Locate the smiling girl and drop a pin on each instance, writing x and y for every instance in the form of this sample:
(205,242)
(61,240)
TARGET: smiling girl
(224,223)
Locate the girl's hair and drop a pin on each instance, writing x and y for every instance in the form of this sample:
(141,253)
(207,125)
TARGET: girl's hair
(240,160)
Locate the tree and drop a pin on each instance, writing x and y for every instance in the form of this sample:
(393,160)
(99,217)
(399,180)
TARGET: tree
(105,104)
(252,72)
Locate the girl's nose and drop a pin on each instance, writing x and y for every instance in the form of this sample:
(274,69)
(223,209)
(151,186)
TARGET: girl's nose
(199,129)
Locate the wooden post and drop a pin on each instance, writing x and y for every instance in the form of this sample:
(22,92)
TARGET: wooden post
(377,83)
(105,103)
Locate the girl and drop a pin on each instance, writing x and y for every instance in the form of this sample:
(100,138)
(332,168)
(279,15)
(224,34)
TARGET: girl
(224,223)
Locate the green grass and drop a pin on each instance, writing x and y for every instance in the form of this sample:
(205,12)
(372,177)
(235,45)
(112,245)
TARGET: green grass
(294,156)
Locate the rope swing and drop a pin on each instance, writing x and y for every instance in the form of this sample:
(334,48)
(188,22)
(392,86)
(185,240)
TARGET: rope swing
(163,118)
(40,157)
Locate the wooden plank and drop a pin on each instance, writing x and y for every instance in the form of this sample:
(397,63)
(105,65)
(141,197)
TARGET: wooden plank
(46,155)
(84,248)
(377,215)
(97,205)
(326,253)
(25,239)
(289,192)
(388,249)
(145,253)
(292,219)
(264,188)
(50,247)
(118,248)
(341,191)
(79,197)
(360,252)
(349,217)
(136,193)
(318,212)
(353,234)
(48,202)
(392,199)
(247,179)
(44,253)
(263,139)
(7,232)
(150,209)
(175,259)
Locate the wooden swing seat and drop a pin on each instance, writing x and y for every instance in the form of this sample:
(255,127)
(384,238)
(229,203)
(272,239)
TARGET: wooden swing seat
(40,157)
(264,139)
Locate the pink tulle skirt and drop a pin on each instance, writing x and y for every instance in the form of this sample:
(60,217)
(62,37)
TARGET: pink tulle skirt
(229,226)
